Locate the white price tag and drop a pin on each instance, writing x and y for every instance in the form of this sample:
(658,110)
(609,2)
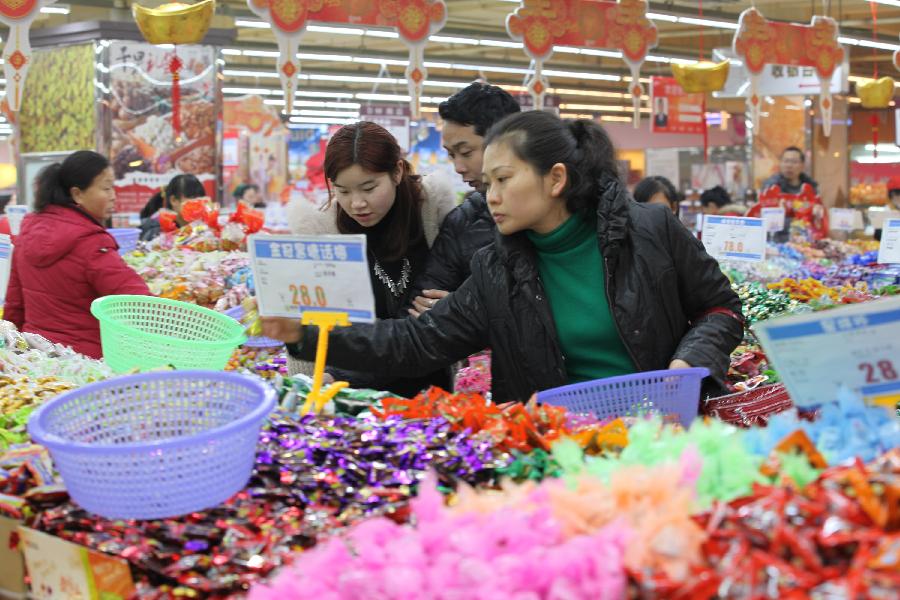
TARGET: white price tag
(327,273)
(889,252)
(5,265)
(773,217)
(14,215)
(844,219)
(857,346)
(735,238)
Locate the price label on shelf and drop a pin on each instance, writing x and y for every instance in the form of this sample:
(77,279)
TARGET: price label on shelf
(845,219)
(326,273)
(857,346)
(6,249)
(773,217)
(15,214)
(735,238)
(889,252)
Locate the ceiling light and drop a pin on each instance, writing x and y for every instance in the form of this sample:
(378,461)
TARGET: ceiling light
(380,61)
(382,34)
(324,57)
(661,17)
(708,23)
(879,45)
(449,39)
(262,53)
(251,24)
(242,73)
(56,10)
(582,75)
(231,52)
(322,120)
(501,44)
(606,53)
(328,113)
(316,104)
(887,2)
(247,91)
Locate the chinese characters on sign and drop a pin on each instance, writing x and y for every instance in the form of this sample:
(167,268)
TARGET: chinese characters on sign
(674,110)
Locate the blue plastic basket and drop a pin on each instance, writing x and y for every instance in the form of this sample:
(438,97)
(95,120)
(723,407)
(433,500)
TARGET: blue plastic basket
(126,238)
(671,392)
(237,313)
(155,445)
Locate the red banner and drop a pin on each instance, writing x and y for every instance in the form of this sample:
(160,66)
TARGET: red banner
(674,110)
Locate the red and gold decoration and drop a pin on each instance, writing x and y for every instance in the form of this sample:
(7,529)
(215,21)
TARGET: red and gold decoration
(414,20)
(879,91)
(623,26)
(18,15)
(175,23)
(760,42)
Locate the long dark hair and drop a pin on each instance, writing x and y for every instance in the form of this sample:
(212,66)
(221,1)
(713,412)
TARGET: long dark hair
(542,140)
(374,149)
(55,181)
(181,186)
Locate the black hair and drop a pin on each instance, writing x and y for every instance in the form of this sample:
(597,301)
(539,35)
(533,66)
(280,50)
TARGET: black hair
(181,186)
(242,189)
(4,200)
(480,105)
(794,149)
(650,186)
(716,195)
(543,140)
(55,181)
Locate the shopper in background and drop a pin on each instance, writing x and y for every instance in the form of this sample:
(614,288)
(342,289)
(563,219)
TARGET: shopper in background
(65,259)
(373,191)
(582,283)
(657,190)
(893,204)
(790,177)
(5,200)
(714,199)
(248,193)
(467,116)
(180,189)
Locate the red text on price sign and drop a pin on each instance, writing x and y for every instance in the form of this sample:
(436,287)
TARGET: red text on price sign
(879,371)
(301,296)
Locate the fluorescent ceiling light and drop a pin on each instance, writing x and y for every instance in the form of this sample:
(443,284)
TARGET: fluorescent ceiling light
(450,39)
(262,53)
(242,73)
(582,75)
(599,108)
(251,24)
(606,53)
(245,91)
(501,44)
(662,17)
(322,120)
(328,113)
(316,104)
(337,30)
(883,147)
(56,10)
(231,52)
(887,2)
(380,61)
(708,23)
(324,57)
(382,34)
(879,45)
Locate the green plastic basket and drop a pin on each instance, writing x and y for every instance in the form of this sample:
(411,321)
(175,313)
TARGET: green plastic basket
(144,332)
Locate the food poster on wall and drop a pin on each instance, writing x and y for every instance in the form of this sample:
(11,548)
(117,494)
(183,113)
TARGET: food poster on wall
(60,113)
(674,110)
(268,170)
(428,156)
(145,151)
(782,124)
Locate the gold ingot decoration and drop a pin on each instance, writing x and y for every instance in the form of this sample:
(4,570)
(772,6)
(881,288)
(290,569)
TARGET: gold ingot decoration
(701,77)
(876,93)
(175,23)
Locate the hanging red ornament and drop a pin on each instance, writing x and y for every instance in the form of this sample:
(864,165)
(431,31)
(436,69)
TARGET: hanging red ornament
(175,65)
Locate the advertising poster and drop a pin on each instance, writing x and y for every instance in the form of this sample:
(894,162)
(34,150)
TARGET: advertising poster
(674,110)
(261,147)
(59,113)
(394,118)
(146,152)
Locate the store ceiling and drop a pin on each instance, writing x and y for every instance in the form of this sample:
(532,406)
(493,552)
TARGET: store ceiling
(365,64)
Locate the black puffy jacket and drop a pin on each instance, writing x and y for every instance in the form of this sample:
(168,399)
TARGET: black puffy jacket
(467,229)
(668,296)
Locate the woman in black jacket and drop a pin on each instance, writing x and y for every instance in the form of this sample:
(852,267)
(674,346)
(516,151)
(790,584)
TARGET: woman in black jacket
(651,299)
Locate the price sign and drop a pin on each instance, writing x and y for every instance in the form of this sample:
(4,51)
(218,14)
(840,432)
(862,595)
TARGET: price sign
(327,273)
(14,215)
(889,252)
(735,238)
(773,217)
(857,346)
(5,265)
(845,219)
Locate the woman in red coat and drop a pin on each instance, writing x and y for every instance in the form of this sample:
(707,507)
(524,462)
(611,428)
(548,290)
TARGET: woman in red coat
(64,259)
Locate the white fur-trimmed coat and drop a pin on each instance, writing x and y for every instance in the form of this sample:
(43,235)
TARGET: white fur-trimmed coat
(440,199)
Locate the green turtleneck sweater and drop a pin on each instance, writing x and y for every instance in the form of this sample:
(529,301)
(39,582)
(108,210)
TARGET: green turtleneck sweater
(572,272)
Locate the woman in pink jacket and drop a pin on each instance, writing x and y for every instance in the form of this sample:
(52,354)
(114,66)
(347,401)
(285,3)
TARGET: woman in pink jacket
(63,257)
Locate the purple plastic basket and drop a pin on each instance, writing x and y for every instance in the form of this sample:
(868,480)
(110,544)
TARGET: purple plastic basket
(671,392)
(237,313)
(155,445)
(127,238)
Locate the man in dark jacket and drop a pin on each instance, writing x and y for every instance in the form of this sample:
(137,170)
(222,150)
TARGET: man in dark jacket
(467,116)
(669,299)
(790,177)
